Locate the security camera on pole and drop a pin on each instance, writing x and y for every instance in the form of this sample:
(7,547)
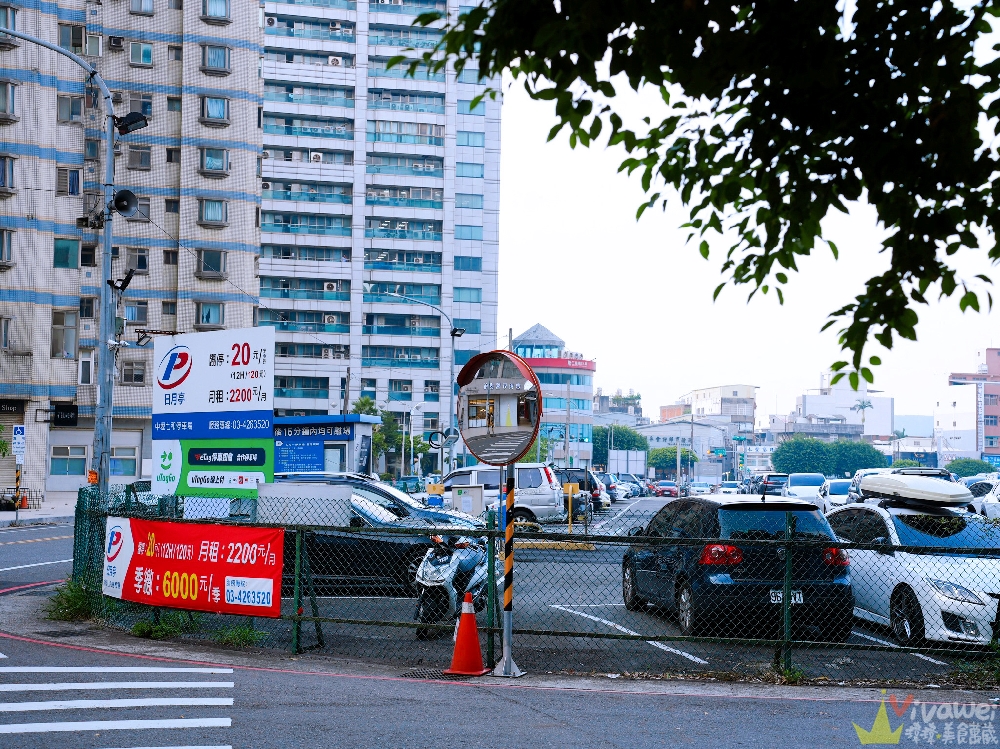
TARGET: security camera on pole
(499,411)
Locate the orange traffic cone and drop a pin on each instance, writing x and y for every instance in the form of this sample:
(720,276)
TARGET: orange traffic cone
(467,660)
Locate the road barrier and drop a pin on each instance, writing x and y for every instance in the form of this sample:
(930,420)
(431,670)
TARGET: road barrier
(782,601)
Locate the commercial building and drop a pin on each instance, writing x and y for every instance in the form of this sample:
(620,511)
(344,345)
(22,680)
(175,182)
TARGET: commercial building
(379,212)
(956,423)
(836,411)
(986,380)
(191,69)
(567,381)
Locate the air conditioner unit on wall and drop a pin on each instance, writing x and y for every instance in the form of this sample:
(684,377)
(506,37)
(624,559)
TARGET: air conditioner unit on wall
(405,388)
(265,185)
(327,353)
(331,319)
(271,21)
(117,97)
(116,43)
(316,158)
(335,60)
(331,285)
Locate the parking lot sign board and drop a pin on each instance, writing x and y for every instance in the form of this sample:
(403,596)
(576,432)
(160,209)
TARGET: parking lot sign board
(213,425)
(17,444)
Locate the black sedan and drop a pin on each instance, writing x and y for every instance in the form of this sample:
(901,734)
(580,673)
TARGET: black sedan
(733,582)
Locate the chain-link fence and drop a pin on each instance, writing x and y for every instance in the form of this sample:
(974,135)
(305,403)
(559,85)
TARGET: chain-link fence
(689,587)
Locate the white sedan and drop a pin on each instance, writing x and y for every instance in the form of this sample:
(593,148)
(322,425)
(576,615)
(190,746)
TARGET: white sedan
(948,596)
(987,497)
(808,487)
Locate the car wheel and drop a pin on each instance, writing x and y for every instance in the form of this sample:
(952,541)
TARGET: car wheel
(522,516)
(837,630)
(686,617)
(906,617)
(629,594)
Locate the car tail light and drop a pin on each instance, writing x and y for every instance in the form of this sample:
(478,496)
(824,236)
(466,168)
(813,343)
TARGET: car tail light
(721,554)
(836,557)
(548,475)
(596,494)
(437,539)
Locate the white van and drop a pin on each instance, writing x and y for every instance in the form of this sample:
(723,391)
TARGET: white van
(537,494)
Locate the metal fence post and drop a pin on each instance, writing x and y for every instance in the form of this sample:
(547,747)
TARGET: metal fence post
(786,599)
(491,586)
(297,595)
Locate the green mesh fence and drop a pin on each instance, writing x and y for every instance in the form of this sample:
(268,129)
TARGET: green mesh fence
(867,594)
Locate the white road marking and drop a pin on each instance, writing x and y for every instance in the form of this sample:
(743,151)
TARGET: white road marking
(625,631)
(116,725)
(227,746)
(591,605)
(36,564)
(35,528)
(71,686)
(17,707)
(894,645)
(109,669)
(2,655)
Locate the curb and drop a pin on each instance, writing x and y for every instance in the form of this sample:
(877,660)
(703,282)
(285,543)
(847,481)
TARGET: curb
(38,521)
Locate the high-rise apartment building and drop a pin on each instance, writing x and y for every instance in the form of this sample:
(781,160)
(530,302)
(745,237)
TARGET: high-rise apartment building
(191,67)
(379,211)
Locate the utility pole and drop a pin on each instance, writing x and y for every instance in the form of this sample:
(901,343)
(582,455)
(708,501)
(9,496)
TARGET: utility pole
(691,449)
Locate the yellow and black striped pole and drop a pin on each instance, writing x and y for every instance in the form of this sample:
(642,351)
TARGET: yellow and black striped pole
(17,493)
(507,667)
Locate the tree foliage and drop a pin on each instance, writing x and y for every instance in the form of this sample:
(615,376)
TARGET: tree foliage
(625,438)
(841,458)
(364,405)
(905,463)
(970,467)
(776,114)
(665,458)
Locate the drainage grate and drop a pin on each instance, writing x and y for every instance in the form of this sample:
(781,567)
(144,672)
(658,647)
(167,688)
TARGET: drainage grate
(433,673)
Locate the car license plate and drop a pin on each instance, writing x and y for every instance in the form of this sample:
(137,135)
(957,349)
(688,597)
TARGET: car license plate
(777,595)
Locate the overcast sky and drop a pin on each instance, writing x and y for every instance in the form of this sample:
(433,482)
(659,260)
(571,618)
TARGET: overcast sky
(634,297)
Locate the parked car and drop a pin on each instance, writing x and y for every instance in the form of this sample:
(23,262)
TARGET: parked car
(769,483)
(537,493)
(666,489)
(836,492)
(943,595)
(700,487)
(588,482)
(413,485)
(986,497)
(639,483)
(736,583)
(729,487)
(610,482)
(807,487)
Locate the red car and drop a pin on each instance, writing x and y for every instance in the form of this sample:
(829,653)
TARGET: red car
(666,489)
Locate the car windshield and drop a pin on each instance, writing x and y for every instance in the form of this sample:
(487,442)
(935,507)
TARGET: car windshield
(776,479)
(840,487)
(947,531)
(730,485)
(668,483)
(700,484)
(758,525)
(806,479)
(371,511)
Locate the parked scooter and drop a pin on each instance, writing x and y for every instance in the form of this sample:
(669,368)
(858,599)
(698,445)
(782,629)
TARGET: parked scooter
(454,566)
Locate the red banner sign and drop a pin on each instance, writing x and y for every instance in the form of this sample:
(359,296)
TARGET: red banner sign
(224,569)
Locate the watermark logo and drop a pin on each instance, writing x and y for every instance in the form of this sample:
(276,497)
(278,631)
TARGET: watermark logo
(930,723)
(174,367)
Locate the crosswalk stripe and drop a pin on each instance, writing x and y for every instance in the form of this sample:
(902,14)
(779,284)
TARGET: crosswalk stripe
(24,707)
(116,725)
(109,669)
(69,686)
(36,564)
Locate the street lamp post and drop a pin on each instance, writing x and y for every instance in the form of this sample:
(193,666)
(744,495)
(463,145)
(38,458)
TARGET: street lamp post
(101,459)
(412,411)
(455,333)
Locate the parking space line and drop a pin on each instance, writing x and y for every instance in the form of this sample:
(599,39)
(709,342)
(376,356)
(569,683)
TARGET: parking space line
(35,540)
(17,707)
(590,605)
(116,725)
(35,528)
(72,686)
(110,669)
(625,631)
(894,645)
(36,564)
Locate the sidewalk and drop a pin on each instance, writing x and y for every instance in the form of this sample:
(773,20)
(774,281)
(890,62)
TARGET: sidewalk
(51,511)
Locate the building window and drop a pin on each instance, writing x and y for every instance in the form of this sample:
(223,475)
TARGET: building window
(214,111)
(175,52)
(66,253)
(141,211)
(93,48)
(171,205)
(211,264)
(465,107)
(175,4)
(137,312)
(215,11)
(215,160)
(8,20)
(467,169)
(123,460)
(466,138)
(170,309)
(991,421)
(68,460)
(470,325)
(67,181)
(7,173)
(88,256)
(468,200)
(432,390)
(173,105)
(468,232)
(468,262)
(134,373)
(400,390)
(141,103)
(462,356)
(138,260)
(173,156)
(170,257)
(64,334)
(7,97)
(993,442)
(140,54)
(71,38)
(466,294)
(87,306)
(992,400)
(86,369)
(141,7)
(140,157)
(211,314)
(6,246)
(215,59)
(91,149)
(213,212)
(5,323)
(69,108)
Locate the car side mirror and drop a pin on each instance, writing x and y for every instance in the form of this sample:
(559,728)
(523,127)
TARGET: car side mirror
(357,522)
(637,531)
(883,541)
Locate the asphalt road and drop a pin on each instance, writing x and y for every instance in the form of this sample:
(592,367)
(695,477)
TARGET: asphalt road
(35,553)
(55,696)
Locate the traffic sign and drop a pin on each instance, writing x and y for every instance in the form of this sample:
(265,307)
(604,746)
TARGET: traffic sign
(18,443)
